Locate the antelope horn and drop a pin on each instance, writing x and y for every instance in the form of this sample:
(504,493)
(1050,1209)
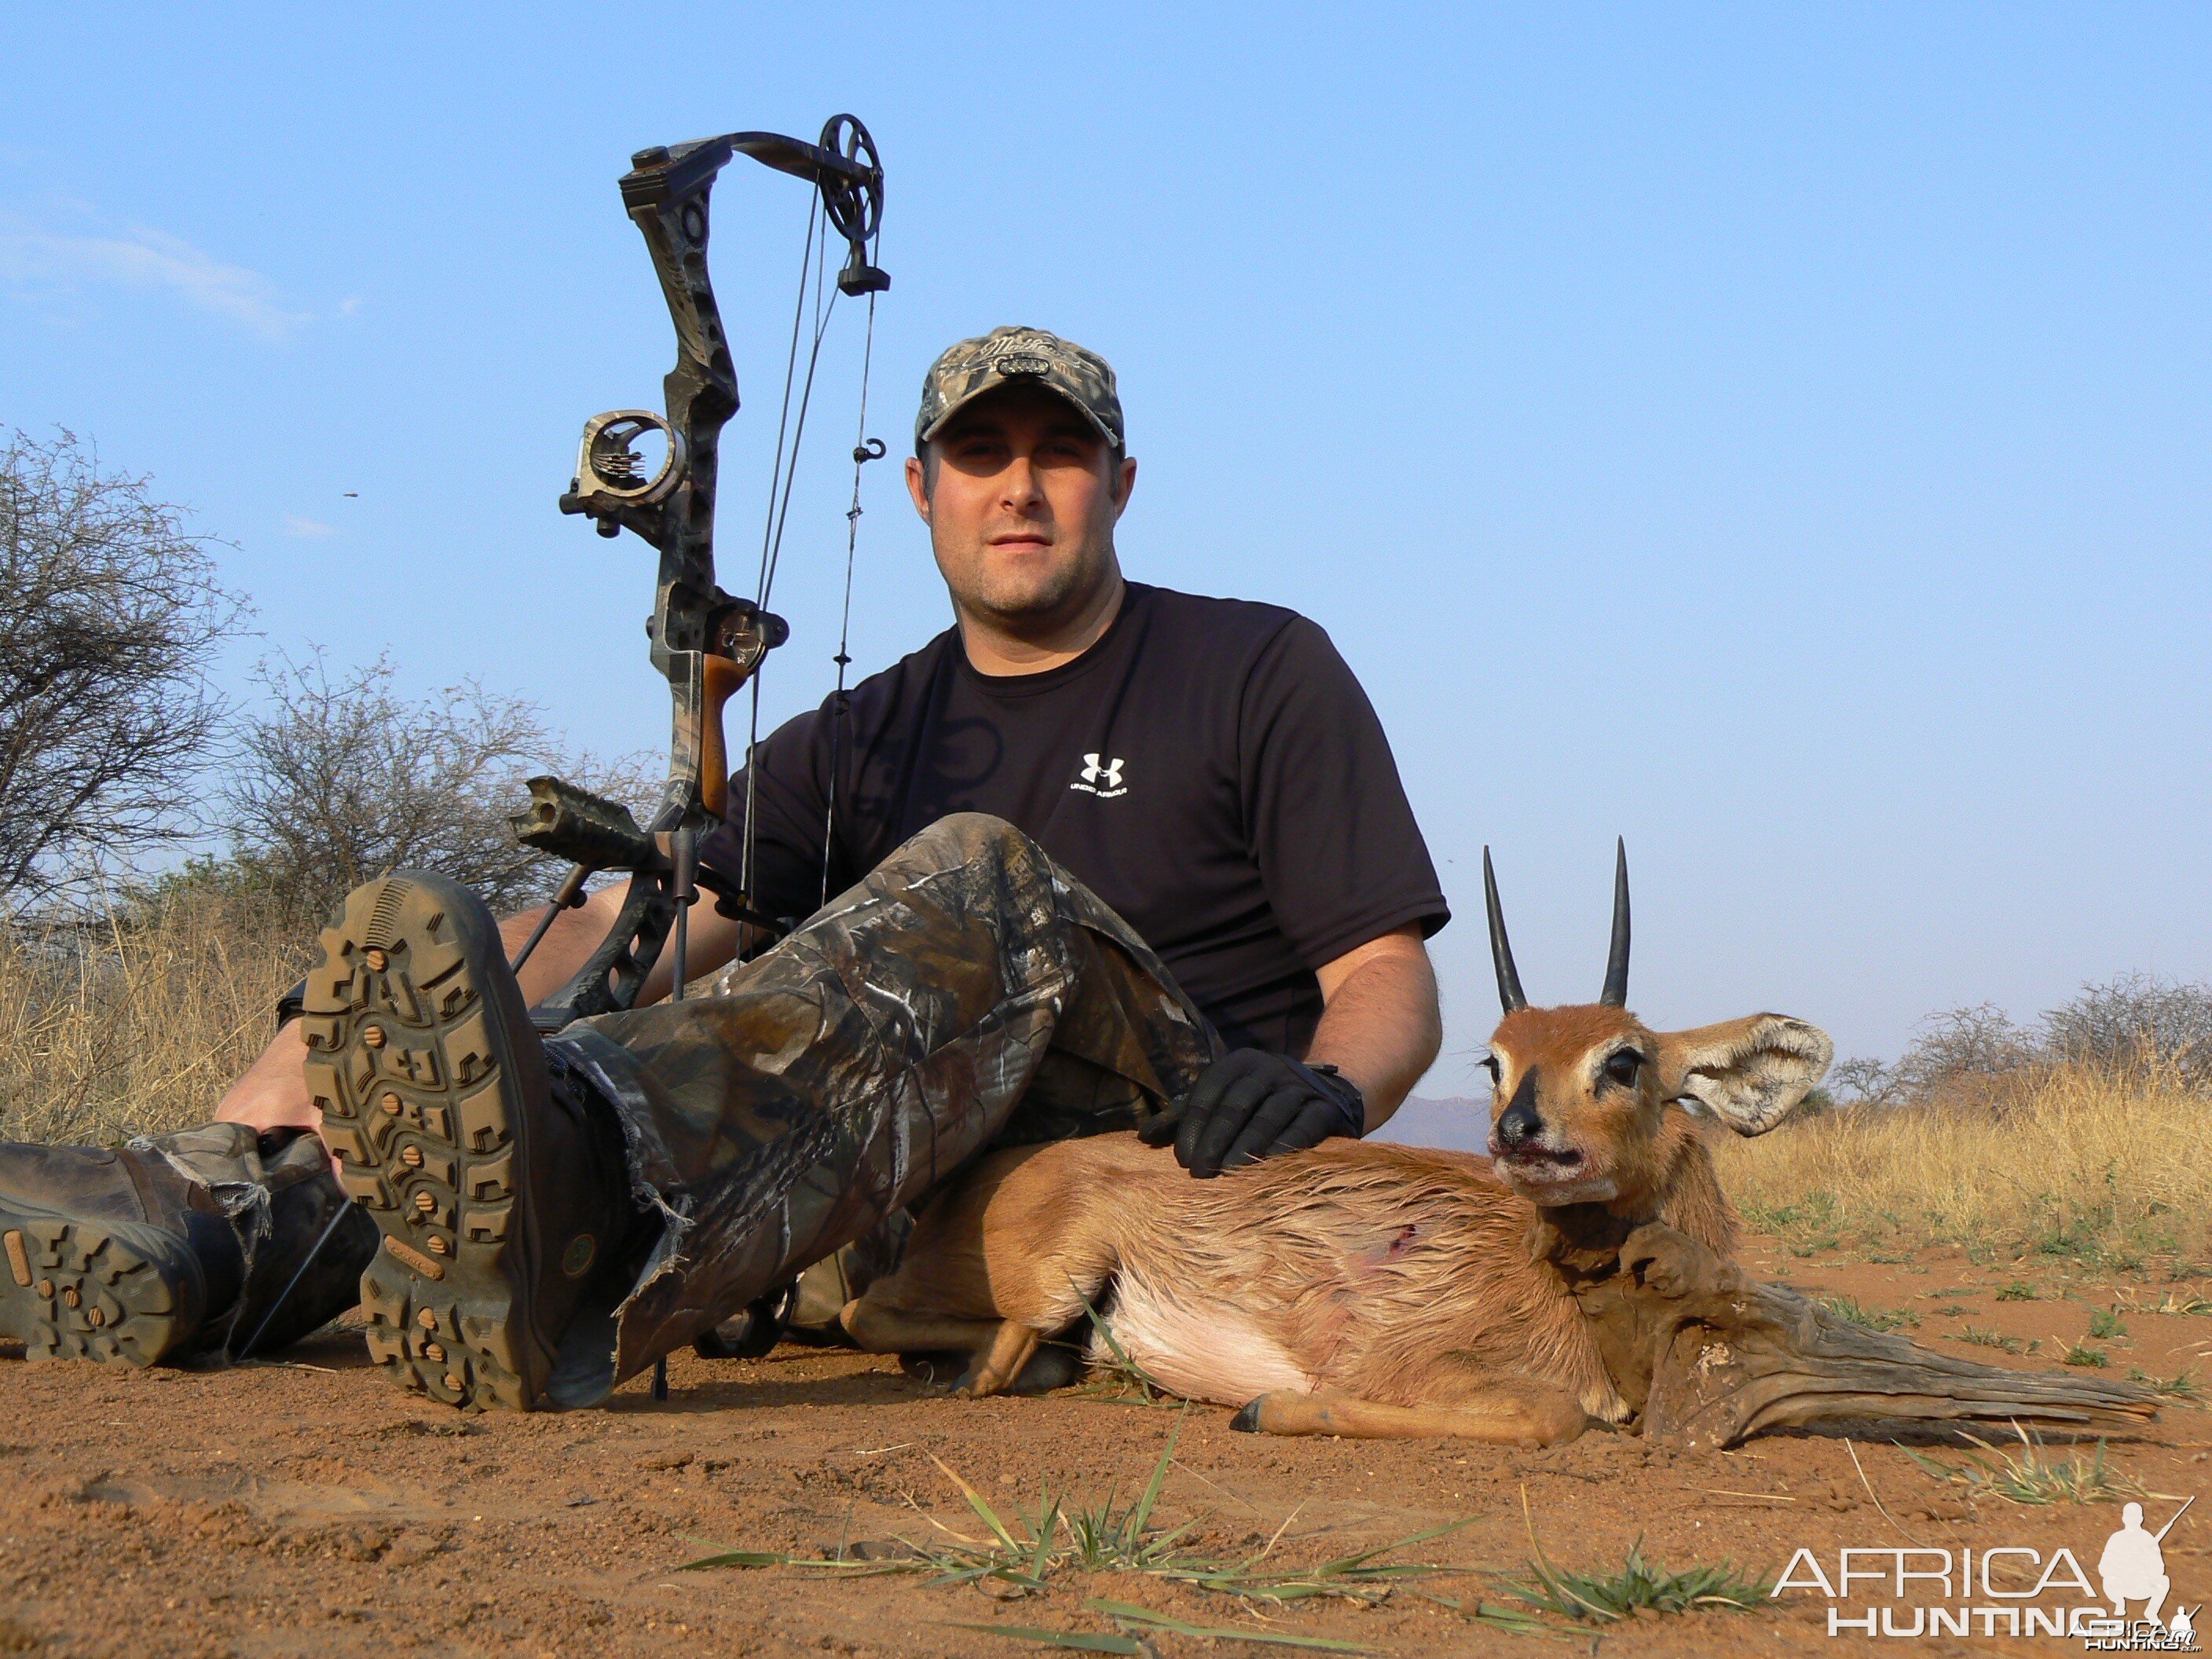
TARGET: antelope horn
(1615,995)
(1501,948)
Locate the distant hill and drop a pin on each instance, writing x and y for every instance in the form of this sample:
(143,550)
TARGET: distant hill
(1461,1126)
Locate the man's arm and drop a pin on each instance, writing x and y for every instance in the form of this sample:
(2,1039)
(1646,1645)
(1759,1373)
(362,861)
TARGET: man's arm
(1349,880)
(1380,1029)
(1381,1025)
(272,1093)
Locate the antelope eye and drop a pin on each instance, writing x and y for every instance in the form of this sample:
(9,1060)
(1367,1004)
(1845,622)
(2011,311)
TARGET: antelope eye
(1621,1066)
(1489,1063)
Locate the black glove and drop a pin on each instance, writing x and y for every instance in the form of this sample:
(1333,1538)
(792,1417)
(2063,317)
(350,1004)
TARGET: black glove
(1252,1104)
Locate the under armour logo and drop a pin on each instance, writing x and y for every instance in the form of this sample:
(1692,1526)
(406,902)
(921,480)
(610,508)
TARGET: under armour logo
(1101,777)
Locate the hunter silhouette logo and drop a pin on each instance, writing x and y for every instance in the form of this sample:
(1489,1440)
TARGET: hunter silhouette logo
(1930,1592)
(2133,1568)
(1101,777)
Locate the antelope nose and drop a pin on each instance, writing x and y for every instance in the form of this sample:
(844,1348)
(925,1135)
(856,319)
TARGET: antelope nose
(1519,1125)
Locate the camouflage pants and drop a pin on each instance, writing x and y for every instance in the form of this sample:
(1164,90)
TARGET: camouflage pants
(969,993)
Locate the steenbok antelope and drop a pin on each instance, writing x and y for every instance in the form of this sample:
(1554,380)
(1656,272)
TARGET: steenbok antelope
(1582,1270)
(1361,1288)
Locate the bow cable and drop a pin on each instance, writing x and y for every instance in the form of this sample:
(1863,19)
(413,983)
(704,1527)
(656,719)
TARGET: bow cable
(784,471)
(768,550)
(865,449)
(783,476)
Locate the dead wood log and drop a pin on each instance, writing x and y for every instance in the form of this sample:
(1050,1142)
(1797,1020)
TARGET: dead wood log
(1708,1357)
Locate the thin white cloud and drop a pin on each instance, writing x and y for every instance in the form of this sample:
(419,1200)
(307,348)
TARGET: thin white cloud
(308,529)
(146,258)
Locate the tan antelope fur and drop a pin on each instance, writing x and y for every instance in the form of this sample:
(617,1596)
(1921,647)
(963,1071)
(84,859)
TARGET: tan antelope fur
(1362,1288)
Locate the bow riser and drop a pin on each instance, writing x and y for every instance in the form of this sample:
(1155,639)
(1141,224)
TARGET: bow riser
(666,194)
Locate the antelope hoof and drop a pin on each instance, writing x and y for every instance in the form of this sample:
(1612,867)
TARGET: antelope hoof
(978,1382)
(1671,1263)
(1247,1421)
(1050,1367)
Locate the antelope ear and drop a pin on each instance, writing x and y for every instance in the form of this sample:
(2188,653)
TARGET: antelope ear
(1747,1073)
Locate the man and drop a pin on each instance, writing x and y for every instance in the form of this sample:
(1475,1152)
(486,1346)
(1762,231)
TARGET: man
(1103,855)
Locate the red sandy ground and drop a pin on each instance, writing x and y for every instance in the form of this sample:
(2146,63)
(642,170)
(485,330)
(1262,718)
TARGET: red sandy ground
(308,1508)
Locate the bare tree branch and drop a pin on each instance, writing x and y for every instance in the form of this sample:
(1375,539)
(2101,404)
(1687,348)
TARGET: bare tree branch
(2125,1026)
(336,782)
(109,611)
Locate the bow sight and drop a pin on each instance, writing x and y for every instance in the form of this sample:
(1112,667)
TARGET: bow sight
(708,642)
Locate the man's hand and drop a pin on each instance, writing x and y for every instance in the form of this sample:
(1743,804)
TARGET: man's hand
(1252,1104)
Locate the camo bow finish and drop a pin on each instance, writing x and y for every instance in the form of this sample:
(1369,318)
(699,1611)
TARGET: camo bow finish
(706,642)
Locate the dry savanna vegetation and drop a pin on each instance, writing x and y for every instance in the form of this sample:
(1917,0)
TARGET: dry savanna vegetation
(2086,1139)
(133,1018)
(166,854)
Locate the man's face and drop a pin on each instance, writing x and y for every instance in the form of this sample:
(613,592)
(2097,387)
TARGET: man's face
(1021,511)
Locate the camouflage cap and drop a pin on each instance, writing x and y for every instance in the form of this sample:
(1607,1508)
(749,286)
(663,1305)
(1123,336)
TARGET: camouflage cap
(966,370)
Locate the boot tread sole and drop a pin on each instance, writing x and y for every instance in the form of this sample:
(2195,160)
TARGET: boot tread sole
(76,1289)
(420,1124)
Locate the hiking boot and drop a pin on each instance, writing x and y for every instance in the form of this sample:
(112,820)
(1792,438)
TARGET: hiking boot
(175,1245)
(306,1248)
(111,1254)
(496,1193)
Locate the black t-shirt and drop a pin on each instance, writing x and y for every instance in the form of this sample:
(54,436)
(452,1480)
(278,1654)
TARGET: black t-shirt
(1210,768)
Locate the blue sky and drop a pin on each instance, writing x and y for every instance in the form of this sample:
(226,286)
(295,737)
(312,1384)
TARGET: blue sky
(1777,434)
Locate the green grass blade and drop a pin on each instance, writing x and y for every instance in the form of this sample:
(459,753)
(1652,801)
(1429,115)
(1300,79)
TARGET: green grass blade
(1076,1641)
(1513,1619)
(1048,1524)
(1550,1577)
(984,1512)
(1142,1512)
(1160,1548)
(1105,1330)
(737,1558)
(1929,1466)
(1151,1620)
(1348,1563)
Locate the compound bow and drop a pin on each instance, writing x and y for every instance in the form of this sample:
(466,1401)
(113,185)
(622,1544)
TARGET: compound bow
(708,643)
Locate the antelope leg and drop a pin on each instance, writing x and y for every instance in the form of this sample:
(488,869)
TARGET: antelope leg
(1511,1413)
(994,1369)
(999,1350)
(880,1329)
(1711,1357)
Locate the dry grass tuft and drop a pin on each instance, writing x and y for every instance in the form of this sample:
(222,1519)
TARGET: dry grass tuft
(2107,1165)
(2033,1475)
(1025,1551)
(134,1017)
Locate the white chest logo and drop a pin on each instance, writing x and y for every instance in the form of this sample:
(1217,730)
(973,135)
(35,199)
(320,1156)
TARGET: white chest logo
(1101,777)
